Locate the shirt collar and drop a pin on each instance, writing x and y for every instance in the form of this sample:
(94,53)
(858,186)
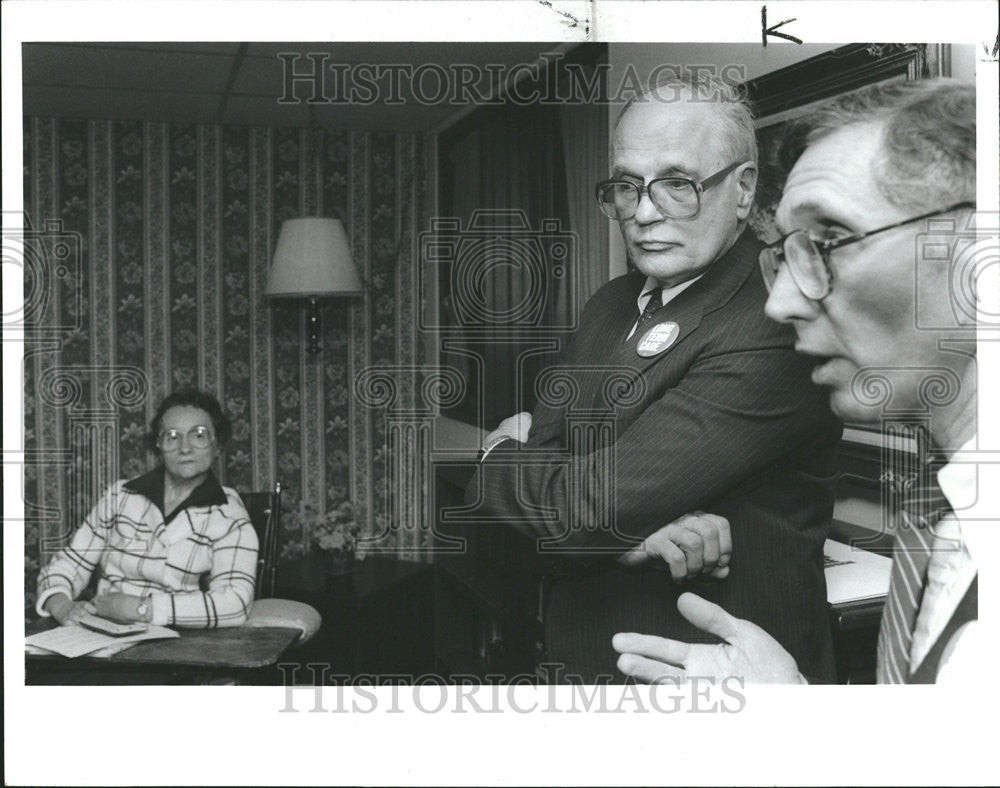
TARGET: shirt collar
(959,480)
(668,293)
(208,493)
(958,477)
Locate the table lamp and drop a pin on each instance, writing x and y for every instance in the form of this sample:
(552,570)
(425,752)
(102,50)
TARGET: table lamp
(312,260)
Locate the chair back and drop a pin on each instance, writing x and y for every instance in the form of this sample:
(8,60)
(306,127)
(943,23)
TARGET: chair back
(264,509)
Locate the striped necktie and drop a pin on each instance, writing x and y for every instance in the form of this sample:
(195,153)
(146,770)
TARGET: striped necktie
(652,305)
(923,505)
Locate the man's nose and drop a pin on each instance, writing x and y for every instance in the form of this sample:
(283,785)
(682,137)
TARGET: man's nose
(646,212)
(786,302)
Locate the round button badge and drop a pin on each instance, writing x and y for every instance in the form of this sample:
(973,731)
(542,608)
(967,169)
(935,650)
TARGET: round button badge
(658,339)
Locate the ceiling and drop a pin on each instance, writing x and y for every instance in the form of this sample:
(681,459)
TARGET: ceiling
(241,83)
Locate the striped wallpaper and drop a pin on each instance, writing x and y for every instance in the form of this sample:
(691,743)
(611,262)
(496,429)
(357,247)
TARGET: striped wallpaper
(176,225)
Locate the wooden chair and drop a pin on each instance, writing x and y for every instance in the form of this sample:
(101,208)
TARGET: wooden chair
(264,509)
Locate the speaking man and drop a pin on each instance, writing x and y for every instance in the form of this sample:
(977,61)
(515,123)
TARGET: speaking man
(676,394)
(883,181)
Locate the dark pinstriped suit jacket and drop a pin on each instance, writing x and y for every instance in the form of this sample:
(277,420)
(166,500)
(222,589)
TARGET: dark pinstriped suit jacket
(726,420)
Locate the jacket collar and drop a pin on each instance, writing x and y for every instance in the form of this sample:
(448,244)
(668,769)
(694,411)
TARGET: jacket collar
(711,292)
(150,485)
(723,278)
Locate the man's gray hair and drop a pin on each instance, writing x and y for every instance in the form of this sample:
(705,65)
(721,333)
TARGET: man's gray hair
(928,138)
(736,127)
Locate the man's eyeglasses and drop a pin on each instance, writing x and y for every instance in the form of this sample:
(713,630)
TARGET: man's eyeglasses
(198,438)
(674,196)
(809,259)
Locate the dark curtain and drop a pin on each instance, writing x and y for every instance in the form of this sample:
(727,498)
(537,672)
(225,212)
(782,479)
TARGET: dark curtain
(503,170)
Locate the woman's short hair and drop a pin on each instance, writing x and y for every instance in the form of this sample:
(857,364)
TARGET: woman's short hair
(193,398)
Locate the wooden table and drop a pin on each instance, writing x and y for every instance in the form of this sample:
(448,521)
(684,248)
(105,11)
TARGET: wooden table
(377,617)
(245,655)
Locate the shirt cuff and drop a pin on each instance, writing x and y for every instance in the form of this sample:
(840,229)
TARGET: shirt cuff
(46,595)
(492,445)
(163,610)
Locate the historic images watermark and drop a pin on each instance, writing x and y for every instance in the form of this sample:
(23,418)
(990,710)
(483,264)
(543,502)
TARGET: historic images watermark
(314,78)
(332,693)
(49,258)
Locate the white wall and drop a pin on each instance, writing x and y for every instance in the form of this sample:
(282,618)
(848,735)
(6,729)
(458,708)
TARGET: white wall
(963,62)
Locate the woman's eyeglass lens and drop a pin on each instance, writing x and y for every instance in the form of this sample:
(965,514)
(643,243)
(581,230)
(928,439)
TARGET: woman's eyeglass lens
(198,438)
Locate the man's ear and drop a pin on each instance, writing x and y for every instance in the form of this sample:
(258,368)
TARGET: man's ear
(746,186)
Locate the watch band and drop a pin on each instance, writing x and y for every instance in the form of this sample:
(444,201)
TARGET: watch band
(491,446)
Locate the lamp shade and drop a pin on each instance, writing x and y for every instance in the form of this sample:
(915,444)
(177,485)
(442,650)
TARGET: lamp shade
(312,258)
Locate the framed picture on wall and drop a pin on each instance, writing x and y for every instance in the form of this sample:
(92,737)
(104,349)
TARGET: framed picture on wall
(788,93)
(784,95)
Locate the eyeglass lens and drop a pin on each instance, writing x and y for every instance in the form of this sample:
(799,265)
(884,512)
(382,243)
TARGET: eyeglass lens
(673,197)
(805,264)
(198,438)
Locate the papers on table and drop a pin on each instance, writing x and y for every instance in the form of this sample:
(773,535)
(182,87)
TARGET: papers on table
(853,575)
(74,641)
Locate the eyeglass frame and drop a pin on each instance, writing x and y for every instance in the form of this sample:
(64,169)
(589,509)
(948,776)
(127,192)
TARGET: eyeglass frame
(700,187)
(825,247)
(185,435)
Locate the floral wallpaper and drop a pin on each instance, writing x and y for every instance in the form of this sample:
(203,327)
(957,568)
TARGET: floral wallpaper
(170,230)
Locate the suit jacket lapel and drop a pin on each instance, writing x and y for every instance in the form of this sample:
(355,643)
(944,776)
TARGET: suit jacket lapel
(618,320)
(706,295)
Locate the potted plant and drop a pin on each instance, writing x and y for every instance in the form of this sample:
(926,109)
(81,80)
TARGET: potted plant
(333,533)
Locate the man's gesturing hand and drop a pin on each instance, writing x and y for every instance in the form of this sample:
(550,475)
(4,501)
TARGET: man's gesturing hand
(517,427)
(749,652)
(694,544)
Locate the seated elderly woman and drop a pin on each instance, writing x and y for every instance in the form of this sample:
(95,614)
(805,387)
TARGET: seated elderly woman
(152,539)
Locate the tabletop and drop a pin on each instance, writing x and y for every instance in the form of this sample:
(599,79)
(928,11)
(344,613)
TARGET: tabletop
(229,647)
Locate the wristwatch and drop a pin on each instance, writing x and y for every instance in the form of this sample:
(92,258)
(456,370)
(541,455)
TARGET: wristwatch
(490,446)
(144,610)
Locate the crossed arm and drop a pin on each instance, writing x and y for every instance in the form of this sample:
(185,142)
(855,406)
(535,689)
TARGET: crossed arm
(695,544)
(732,416)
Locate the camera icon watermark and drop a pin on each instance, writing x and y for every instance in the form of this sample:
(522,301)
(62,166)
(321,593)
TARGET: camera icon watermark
(969,247)
(502,276)
(48,260)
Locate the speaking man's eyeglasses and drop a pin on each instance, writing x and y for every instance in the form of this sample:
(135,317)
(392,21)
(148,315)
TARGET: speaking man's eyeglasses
(674,196)
(197,438)
(809,259)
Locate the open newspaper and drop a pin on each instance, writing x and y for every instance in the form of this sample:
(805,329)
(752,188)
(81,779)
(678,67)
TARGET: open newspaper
(853,575)
(78,641)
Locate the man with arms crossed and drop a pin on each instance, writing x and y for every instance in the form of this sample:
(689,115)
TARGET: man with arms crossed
(719,414)
(872,171)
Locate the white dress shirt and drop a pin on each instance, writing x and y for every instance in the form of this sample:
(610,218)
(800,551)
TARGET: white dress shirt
(668,294)
(952,567)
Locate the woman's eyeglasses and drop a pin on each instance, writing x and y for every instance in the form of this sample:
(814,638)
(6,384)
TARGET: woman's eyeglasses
(200,437)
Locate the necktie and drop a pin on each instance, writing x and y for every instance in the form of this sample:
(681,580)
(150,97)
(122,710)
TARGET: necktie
(654,303)
(923,505)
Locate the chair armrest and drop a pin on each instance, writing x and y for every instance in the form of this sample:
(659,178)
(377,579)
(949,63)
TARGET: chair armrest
(285,613)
